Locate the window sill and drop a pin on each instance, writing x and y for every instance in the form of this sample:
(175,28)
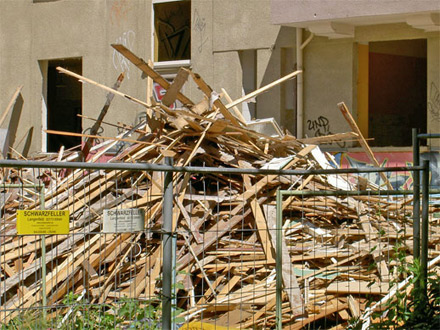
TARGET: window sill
(171,64)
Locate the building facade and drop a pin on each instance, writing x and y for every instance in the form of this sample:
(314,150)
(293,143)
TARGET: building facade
(382,58)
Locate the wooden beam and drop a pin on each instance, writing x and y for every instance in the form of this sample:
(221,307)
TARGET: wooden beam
(347,115)
(145,68)
(262,89)
(207,90)
(174,89)
(111,90)
(237,112)
(48,131)
(330,138)
(290,281)
(94,130)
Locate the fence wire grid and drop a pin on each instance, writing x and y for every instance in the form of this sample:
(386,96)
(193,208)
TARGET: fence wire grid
(249,250)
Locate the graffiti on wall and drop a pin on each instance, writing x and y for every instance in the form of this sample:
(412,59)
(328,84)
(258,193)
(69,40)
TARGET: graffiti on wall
(434,101)
(200,30)
(321,127)
(120,62)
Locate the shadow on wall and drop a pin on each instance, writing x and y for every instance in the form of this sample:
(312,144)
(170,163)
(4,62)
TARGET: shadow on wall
(15,119)
(28,142)
(278,61)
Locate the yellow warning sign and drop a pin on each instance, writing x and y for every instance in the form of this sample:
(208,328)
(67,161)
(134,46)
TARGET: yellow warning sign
(42,222)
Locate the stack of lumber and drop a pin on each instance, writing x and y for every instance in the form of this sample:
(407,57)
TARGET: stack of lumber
(335,250)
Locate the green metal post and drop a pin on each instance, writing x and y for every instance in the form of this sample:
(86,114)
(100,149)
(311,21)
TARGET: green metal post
(416,195)
(279,261)
(425,229)
(173,283)
(167,244)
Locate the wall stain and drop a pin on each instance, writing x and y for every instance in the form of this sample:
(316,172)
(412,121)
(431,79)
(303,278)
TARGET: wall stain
(119,11)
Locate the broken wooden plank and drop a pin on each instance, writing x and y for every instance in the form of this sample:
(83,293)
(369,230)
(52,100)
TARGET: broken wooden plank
(174,89)
(94,130)
(347,115)
(145,68)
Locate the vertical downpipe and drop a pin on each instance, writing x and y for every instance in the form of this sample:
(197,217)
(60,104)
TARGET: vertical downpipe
(299,85)
(167,244)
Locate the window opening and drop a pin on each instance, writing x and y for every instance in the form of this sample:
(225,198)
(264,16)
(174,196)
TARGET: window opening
(397,92)
(64,103)
(172,27)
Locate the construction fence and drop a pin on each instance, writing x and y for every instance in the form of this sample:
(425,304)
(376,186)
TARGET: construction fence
(136,245)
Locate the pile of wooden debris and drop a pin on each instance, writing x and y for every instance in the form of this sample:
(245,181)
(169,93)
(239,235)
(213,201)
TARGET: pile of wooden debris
(336,250)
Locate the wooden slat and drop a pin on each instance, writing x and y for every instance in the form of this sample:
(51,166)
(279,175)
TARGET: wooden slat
(174,89)
(94,130)
(347,115)
(149,71)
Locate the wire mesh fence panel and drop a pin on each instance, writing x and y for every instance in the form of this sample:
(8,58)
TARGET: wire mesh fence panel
(226,257)
(97,274)
(238,249)
(347,245)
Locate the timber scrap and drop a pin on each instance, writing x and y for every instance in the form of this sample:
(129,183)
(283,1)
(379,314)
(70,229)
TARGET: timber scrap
(334,249)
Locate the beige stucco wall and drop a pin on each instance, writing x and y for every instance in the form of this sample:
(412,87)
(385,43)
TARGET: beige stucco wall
(33,32)
(330,73)
(286,12)
(328,80)
(227,27)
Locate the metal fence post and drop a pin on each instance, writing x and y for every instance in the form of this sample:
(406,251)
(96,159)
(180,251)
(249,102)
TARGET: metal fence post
(416,196)
(167,244)
(43,259)
(279,261)
(425,229)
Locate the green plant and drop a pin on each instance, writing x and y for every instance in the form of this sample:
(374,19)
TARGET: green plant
(80,314)
(408,309)
(26,320)
(413,310)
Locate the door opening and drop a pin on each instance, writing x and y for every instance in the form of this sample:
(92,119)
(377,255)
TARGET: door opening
(397,91)
(64,103)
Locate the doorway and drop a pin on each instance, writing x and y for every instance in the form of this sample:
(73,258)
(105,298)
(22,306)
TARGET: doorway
(64,103)
(397,91)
